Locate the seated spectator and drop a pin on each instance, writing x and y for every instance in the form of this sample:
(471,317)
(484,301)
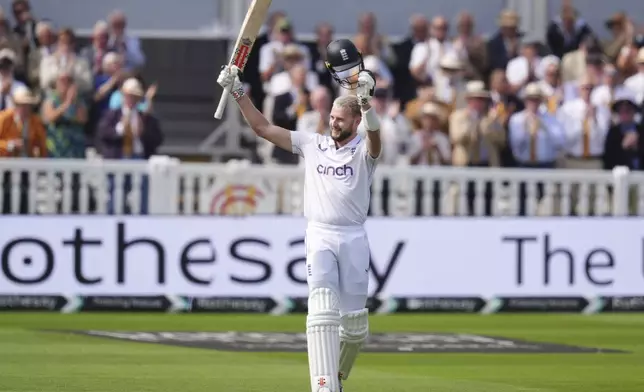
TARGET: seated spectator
(96,51)
(144,105)
(635,83)
(585,126)
(609,87)
(316,120)
(502,99)
(566,31)
(622,31)
(65,59)
(8,82)
(128,132)
(413,109)
(65,114)
(123,43)
(25,28)
(46,47)
(624,145)
(8,40)
(627,59)
(22,133)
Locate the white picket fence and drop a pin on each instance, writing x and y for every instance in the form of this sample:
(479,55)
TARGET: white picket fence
(163,185)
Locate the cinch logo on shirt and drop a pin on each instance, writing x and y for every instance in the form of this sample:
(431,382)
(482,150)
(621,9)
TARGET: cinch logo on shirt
(336,171)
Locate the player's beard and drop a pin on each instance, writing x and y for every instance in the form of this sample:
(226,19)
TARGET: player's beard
(339,135)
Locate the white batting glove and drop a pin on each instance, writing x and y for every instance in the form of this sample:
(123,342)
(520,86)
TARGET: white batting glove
(229,79)
(366,86)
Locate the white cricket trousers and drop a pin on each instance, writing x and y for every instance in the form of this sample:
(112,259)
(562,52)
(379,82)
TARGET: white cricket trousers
(337,257)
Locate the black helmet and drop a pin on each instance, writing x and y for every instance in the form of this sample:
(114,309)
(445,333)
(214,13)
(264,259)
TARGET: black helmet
(342,57)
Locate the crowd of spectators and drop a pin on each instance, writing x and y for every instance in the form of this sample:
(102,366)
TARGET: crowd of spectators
(60,99)
(448,95)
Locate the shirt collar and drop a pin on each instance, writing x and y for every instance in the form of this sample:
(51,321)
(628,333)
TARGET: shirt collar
(354,142)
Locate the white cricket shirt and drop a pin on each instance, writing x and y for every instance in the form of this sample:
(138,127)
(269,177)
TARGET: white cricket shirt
(337,180)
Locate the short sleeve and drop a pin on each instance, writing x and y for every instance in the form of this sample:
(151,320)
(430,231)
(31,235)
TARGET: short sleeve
(300,141)
(418,54)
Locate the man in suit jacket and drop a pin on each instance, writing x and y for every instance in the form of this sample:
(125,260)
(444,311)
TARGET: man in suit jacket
(405,86)
(567,31)
(624,144)
(504,45)
(128,133)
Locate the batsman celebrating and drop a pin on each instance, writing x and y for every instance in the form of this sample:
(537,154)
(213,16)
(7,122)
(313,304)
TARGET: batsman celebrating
(338,172)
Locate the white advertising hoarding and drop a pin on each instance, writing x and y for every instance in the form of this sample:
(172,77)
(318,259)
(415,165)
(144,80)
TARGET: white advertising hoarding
(264,256)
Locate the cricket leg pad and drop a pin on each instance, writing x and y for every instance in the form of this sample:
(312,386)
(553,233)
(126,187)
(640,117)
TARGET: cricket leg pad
(323,340)
(354,331)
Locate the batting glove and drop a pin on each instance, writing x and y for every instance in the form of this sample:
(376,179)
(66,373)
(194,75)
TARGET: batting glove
(229,80)
(366,86)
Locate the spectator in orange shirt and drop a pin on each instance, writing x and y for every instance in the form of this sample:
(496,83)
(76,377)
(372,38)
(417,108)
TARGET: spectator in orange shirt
(22,133)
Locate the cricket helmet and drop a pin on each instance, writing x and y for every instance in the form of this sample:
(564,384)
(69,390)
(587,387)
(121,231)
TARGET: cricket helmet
(344,62)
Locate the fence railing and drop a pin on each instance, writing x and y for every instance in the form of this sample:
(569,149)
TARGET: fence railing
(163,185)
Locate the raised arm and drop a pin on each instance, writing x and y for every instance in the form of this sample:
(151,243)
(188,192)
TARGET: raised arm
(256,120)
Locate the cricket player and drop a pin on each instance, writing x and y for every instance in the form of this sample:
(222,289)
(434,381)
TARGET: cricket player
(339,169)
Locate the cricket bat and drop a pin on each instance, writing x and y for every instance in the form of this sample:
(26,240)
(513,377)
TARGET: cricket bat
(250,28)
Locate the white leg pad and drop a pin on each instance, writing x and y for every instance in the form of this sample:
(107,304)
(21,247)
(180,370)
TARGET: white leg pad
(353,333)
(323,340)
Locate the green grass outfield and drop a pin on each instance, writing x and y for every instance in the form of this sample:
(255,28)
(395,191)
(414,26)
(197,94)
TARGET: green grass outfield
(32,361)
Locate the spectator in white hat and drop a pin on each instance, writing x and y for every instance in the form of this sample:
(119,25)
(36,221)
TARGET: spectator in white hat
(449,82)
(8,83)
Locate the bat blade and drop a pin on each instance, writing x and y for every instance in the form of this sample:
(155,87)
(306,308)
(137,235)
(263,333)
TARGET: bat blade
(253,22)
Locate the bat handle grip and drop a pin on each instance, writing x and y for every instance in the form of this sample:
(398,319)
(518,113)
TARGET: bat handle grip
(222,104)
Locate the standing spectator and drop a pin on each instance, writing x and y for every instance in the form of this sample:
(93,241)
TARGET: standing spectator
(8,82)
(96,51)
(117,99)
(25,27)
(65,115)
(106,84)
(624,144)
(22,133)
(573,64)
(610,85)
(270,54)
(477,136)
(504,45)
(324,36)
(635,83)
(567,31)
(551,85)
(123,43)
(128,133)
(316,119)
(524,69)
(405,85)
(536,138)
(471,48)
(449,84)
(622,31)
(8,40)
(585,126)
(375,43)
(627,59)
(289,107)
(47,46)
(426,56)
(65,59)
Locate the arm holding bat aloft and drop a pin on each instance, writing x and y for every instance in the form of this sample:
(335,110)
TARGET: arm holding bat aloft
(365,91)
(281,137)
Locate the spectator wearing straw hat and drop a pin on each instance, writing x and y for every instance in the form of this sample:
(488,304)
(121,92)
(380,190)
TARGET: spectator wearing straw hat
(129,133)
(624,144)
(22,133)
(477,136)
